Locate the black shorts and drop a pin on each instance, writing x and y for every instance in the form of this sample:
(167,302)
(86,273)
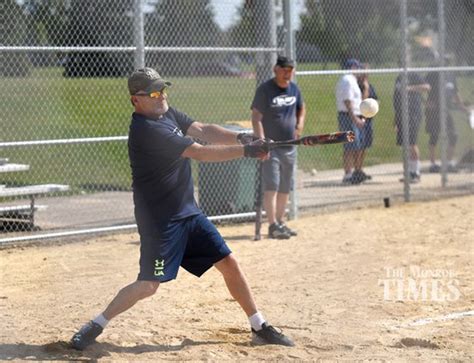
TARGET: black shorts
(414,122)
(193,243)
(433,127)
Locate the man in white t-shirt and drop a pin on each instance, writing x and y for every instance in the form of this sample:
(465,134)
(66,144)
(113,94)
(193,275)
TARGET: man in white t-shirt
(348,99)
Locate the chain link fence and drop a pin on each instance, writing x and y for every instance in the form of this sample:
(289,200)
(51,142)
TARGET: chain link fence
(65,108)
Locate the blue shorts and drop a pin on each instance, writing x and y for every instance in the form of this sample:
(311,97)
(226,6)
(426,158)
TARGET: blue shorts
(346,124)
(193,243)
(277,172)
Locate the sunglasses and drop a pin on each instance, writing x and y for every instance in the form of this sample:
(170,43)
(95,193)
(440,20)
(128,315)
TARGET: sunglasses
(155,94)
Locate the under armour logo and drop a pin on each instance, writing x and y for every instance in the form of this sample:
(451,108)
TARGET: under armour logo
(178,131)
(159,267)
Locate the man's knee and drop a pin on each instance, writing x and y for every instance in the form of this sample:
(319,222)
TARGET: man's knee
(229,261)
(227,265)
(147,288)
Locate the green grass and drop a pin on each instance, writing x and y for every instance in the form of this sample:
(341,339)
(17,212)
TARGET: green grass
(48,106)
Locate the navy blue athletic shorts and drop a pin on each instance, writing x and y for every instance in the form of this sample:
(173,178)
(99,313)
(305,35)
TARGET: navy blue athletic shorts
(193,243)
(367,134)
(346,124)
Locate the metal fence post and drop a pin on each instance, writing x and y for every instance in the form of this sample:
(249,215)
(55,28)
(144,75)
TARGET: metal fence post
(405,129)
(139,35)
(289,31)
(442,94)
(290,52)
(268,38)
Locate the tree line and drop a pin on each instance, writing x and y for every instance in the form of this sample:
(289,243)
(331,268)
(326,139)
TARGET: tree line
(330,31)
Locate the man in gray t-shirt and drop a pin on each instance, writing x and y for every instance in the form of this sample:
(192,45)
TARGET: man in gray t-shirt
(278,113)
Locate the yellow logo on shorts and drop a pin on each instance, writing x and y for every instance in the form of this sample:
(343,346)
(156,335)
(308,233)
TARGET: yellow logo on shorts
(159,267)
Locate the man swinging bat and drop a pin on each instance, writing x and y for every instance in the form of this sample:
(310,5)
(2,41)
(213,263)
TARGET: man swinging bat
(173,230)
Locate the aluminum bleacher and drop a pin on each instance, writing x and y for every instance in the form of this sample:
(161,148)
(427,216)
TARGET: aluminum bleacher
(11,212)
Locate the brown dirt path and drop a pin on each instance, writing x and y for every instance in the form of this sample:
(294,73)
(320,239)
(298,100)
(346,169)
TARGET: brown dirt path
(324,288)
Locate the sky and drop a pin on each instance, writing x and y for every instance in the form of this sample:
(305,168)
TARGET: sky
(226,11)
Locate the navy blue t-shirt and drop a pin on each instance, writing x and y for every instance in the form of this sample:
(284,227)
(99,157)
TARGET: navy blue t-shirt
(372,94)
(162,181)
(278,107)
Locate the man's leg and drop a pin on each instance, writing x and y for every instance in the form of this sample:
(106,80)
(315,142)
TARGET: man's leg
(348,161)
(358,176)
(451,162)
(345,123)
(414,163)
(124,300)
(434,168)
(360,151)
(129,296)
(433,129)
(287,176)
(450,152)
(432,153)
(415,158)
(281,203)
(452,140)
(271,177)
(239,289)
(270,204)
(237,284)
(359,156)
(414,152)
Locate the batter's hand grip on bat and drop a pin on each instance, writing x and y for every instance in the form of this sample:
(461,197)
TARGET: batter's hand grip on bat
(256,149)
(245,138)
(350,136)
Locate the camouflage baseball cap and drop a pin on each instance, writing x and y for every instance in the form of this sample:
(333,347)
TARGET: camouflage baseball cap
(147,80)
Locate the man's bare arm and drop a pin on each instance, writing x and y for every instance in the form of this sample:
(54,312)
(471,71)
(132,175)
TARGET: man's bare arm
(257,125)
(213,134)
(300,118)
(213,152)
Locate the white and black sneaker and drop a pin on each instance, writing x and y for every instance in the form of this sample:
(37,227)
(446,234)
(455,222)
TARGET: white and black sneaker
(269,335)
(288,230)
(276,231)
(86,335)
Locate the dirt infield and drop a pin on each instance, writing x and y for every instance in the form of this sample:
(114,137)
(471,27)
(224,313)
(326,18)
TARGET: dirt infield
(357,284)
